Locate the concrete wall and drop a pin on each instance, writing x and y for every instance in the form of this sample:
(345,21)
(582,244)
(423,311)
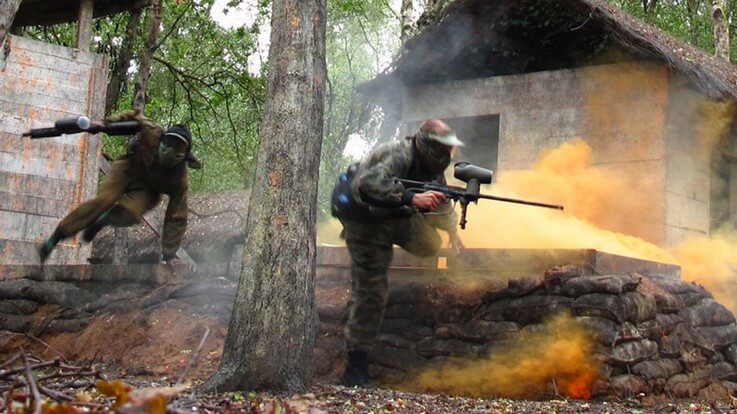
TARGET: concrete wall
(41,180)
(618,109)
(695,128)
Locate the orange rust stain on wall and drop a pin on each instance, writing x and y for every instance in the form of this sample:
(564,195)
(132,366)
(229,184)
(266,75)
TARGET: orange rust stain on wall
(279,220)
(274,178)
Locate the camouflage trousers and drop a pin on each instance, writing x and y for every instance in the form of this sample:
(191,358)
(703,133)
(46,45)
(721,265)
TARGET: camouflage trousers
(370,247)
(121,202)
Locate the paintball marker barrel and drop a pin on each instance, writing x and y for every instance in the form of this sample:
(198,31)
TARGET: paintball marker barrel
(473,176)
(77,124)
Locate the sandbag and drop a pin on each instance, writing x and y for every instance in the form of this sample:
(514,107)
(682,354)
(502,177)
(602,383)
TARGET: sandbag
(638,307)
(612,284)
(685,385)
(627,385)
(604,329)
(600,305)
(628,353)
(527,309)
(661,325)
(707,312)
(719,336)
(431,347)
(658,368)
(18,306)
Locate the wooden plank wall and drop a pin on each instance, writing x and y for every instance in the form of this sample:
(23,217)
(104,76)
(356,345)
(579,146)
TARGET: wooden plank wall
(41,180)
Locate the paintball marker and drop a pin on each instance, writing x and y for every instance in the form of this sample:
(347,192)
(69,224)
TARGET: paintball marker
(473,176)
(77,124)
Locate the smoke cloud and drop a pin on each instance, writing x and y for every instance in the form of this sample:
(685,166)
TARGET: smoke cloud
(559,357)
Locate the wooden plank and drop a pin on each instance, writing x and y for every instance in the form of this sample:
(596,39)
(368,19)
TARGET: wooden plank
(40,167)
(53,63)
(25,227)
(31,204)
(41,117)
(44,149)
(25,46)
(45,178)
(22,252)
(68,80)
(32,185)
(53,97)
(46,86)
(44,115)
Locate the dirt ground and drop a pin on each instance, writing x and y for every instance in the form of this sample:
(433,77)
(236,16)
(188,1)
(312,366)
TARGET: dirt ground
(158,342)
(149,350)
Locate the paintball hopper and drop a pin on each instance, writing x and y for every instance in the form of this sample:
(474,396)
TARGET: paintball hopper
(473,176)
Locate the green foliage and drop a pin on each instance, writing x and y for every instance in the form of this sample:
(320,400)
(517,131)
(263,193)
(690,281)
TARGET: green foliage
(689,20)
(361,36)
(200,76)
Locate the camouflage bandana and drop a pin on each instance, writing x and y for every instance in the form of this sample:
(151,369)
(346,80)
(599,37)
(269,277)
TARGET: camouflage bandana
(433,157)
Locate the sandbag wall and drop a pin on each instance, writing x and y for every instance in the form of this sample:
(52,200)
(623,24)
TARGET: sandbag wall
(656,335)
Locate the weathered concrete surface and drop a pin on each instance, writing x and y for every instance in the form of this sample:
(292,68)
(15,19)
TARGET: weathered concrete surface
(41,180)
(649,128)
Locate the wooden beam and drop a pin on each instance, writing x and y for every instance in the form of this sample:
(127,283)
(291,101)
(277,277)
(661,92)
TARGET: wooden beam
(84,24)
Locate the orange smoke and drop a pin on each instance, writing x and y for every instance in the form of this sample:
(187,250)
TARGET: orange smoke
(712,263)
(558,357)
(595,199)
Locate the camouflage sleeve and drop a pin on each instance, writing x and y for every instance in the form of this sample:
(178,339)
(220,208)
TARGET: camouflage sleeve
(376,184)
(150,129)
(175,223)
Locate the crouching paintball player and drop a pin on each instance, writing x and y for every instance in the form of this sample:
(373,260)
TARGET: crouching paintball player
(155,163)
(378,212)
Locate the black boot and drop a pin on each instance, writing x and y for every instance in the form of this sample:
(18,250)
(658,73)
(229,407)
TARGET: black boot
(356,372)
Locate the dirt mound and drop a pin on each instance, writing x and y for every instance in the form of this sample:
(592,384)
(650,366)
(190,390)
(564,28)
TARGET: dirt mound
(158,341)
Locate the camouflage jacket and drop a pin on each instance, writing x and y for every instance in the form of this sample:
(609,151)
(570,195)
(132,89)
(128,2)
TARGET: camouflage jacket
(374,180)
(143,153)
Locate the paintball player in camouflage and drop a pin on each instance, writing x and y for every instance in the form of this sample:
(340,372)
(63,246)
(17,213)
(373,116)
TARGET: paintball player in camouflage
(377,213)
(155,163)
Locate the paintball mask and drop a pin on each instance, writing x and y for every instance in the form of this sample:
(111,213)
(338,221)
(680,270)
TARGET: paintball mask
(174,146)
(434,149)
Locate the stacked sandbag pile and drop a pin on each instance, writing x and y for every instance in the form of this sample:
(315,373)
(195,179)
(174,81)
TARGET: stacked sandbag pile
(656,335)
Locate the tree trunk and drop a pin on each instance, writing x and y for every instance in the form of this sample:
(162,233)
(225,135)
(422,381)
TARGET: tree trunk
(721,29)
(8,9)
(270,336)
(122,63)
(144,70)
(406,17)
(649,9)
(692,9)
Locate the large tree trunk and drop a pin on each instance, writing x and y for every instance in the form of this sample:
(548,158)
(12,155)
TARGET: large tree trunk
(8,9)
(122,62)
(721,29)
(270,336)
